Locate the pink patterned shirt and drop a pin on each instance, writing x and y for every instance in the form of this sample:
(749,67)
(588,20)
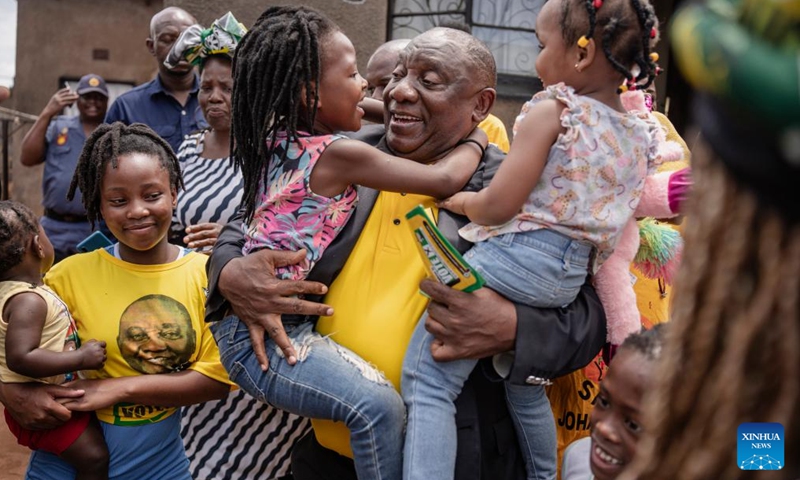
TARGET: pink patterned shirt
(289,216)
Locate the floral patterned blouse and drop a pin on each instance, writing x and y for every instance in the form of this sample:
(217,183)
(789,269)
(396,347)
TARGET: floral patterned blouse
(594,174)
(289,216)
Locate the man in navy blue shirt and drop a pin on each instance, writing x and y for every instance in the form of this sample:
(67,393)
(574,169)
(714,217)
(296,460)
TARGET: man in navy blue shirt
(168,103)
(57,140)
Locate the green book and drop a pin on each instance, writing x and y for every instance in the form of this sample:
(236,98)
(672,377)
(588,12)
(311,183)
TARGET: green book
(441,259)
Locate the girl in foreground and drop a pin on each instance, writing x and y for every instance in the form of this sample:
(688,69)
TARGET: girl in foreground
(145,298)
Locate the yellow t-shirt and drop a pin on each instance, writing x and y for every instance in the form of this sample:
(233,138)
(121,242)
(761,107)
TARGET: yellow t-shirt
(496,131)
(150,316)
(653,297)
(376,299)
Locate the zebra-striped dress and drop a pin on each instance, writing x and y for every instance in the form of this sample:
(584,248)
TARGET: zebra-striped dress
(237,437)
(212,189)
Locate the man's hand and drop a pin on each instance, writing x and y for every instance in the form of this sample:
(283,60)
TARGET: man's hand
(258,298)
(202,235)
(468,325)
(62,98)
(35,406)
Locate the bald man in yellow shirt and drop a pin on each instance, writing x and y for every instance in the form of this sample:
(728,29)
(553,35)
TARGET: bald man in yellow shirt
(370,275)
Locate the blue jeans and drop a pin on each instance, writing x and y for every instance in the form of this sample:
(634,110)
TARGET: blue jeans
(153,451)
(327,382)
(540,268)
(430,389)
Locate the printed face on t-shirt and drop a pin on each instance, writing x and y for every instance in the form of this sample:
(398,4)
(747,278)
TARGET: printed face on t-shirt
(156,335)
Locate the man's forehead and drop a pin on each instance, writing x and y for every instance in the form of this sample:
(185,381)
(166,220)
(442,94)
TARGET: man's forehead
(437,43)
(174,20)
(171,26)
(438,55)
(438,38)
(150,306)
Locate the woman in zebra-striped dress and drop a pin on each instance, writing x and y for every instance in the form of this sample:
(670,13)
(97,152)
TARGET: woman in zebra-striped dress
(238,437)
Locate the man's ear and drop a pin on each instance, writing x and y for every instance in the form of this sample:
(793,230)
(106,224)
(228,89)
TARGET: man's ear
(150,43)
(586,56)
(484,101)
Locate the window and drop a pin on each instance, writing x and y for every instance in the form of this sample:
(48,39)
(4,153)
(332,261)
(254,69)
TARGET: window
(506,26)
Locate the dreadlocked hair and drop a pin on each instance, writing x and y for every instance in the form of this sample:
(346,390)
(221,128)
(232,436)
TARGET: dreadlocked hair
(17,225)
(731,353)
(624,29)
(105,145)
(276,68)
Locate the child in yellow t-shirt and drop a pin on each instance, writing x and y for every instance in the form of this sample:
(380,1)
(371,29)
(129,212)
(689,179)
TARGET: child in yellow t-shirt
(145,298)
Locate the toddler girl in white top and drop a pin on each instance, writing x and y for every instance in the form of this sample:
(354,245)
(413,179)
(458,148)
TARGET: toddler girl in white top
(551,215)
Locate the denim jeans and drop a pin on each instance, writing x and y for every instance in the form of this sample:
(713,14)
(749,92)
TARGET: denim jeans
(153,451)
(429,390)
(327,382)
(540,268)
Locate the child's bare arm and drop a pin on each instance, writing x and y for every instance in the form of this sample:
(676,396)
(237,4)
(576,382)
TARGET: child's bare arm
(347,162)
(25,314)
(520,171)
(165,390)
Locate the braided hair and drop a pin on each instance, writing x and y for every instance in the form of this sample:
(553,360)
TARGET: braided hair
(105,145)
(626,30)
(275,72)
(17,225)
(647,343)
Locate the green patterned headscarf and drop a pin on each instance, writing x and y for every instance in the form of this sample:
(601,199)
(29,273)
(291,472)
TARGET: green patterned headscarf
(196,44)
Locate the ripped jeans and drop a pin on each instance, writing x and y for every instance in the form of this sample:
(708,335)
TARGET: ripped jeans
(327,382)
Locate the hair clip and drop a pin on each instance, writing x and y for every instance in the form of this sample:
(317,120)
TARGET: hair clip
(659,70)
(597,4)
(653,32)
(654,57)
(622,88)
(583,41)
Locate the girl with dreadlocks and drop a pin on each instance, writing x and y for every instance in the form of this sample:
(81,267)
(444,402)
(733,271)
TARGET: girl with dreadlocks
(145,298)
(39,341)
(558,204)
(299,173)
(296,84)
